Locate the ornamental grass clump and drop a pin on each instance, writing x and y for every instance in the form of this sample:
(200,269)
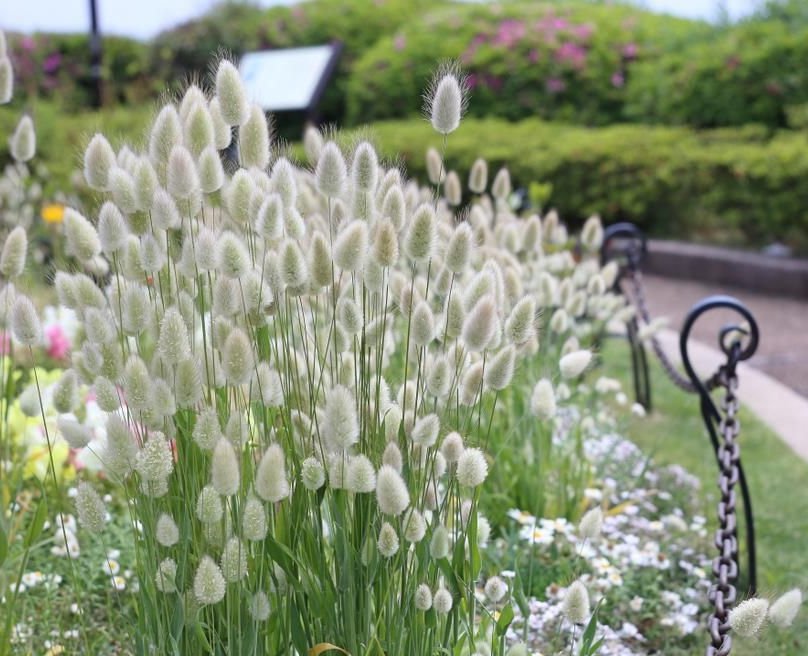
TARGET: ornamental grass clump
(300,368)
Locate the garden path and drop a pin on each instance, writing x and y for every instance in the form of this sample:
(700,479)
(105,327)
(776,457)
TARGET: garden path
(774,383)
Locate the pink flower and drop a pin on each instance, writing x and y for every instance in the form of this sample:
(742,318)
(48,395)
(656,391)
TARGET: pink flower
(52,62)
(400,42)
(617,79)
(533,56)
(571,53)
(583,32)
(555,85)
(58,343)
(5,343)
(472,81)
(510,31)
(630,51)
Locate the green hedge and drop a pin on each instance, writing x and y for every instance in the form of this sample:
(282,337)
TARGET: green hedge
(750,73)
(561,61)
(732,186)
(186,51)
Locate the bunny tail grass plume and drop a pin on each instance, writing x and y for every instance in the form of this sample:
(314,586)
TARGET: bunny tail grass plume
(543,401)
(591,524)
(283,183)
(453,189)
(209,583)
(394,207)
(82,238)
(478,176)
(15,250)
(423,597)
(480,325)
(414,526)
(783,611)
(341,426)
(211,172)
(331,173)
(434,166)
(501,187)
(360,476)
(520,326)
(312,474)
(198,128)
(425,430)
(254,139)
(233,102)
(232,258)
(155,461)
(209,508)
(439,544)
(254,520)
(234,560)
(592,234)
(423,324)
(419,241)
(112,230)
(270,479)
(173,343)
(66,392)
(6,80)
(122,186)
(499,372)
(90,508)
(22,142)
(25,325)
(237,357)
(472,468)
(320,261)
(574,364)
(166,132)
(391,491)
(458,250)
(351,246)
(164,213)
(75,434)
(365,168)
(182,178)
(238,196)
(165,578)
(387,541)
(392,456)
(575,604)
(442,601)
(166,531)
(224,469)
(222,136)
(748,617)
(120,453)
(146,184)
(385,244)
(446,99)
(495,589)
(294,271)
(452,447)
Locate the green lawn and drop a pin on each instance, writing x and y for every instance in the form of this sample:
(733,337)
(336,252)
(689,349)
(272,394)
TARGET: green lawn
(778,480)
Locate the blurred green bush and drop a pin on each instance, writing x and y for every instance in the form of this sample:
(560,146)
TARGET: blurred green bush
(751,73)
(563,61)
(732,186)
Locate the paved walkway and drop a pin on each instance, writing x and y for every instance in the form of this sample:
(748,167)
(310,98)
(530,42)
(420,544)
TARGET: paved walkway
(774,383)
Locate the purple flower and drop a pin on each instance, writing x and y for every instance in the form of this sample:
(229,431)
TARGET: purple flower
(630,50)
(555,85)
(27,43)
(533,56)
(583,32)
(571,53)
(471,81)
(618,80)
(52,62)
(400,42)
(509,33)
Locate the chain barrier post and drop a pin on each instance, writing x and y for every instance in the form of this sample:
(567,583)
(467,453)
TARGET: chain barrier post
(626,244)
(738,342)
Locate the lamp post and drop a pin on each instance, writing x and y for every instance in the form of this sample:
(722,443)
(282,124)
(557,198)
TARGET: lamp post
(95,57)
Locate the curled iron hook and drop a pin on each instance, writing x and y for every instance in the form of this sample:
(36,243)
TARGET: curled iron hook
(635,244)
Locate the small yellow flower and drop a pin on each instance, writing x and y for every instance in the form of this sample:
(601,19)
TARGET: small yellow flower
(53,213)
(56,649)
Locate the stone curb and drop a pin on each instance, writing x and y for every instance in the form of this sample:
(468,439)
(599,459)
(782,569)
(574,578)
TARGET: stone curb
(724,266)
(777,406)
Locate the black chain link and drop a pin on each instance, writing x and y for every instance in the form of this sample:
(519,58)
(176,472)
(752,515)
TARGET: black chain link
(725,566)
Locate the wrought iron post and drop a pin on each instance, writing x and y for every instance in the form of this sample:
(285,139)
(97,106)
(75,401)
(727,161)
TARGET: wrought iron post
(95,57)
(738,342)
(626,244)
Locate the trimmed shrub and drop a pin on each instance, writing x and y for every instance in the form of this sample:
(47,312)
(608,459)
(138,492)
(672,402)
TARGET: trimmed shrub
(752,73)
(732,186)
(552,60)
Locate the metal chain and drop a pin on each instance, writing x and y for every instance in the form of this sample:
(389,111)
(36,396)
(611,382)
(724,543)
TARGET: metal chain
(725,565)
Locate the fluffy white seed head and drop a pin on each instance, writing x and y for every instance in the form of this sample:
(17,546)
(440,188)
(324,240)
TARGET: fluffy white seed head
(423,597)
(75,434)
(501,187)
(253,139)
(22,142)
(496,589)
(155,462)
(221,130)
(66,392)
(173,343)
(392,457)
(591,524)
(472,467)
(543,401)
(165,578)
(360,476)
(282,182)
(198,129)
(211,172)
(254,520)
(312,474)
(394,207)
(442,601)
(425,430)
(499,372)
(385,244)
(748,617)
(209,508)
(90,508)
(520,326)
(209,583)
(453,189)
(365,168)
(25,325)
(341,426)
(258,607)
(81,236)
(351,246)
(459,248)
(446,100)
(592,234)
(207,430)
(574,364)
(575,604)
(271,483)
(192,97)
(164,212)
(237,357)
(452,447)
(99,159)
(419,240)
(112,230)
(478,176)
(331,172)
(166,133)
(480,325)
(434,167)
(783,611)
(120,453)
(234,560)
(422,324)
(166,532)
(387,542)
(6,79)
(232,257)
(182,179)
(414,526)
(391,491)
(15,250)
(439,544)
(224,469)
(294,271)
(233,102)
